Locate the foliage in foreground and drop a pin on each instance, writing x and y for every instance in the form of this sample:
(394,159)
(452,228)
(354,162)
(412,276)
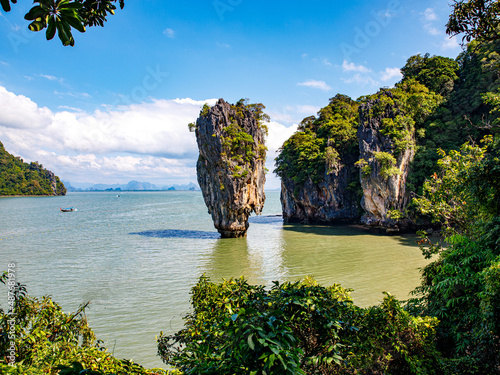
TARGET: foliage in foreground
(49,341)
(296,328)
(62,15)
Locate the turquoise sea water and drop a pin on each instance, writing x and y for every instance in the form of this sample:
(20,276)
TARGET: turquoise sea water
(136,256)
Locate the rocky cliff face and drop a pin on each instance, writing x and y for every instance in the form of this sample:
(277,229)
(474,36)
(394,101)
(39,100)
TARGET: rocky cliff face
(384,167)
(331,201)
(230,168)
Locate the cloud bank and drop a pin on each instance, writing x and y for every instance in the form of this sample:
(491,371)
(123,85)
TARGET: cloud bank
(148,141)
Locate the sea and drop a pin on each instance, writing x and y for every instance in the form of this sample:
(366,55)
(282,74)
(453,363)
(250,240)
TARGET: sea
(136,255)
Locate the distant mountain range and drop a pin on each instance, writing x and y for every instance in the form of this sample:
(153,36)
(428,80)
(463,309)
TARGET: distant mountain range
(131,186)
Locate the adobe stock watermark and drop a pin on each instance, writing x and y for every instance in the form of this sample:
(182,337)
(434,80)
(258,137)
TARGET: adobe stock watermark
(151,81)
(19,37)
(11,313)
(364,36)
(224,6)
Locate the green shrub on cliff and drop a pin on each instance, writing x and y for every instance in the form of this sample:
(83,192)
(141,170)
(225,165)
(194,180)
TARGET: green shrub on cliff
(402,110)
(20,178)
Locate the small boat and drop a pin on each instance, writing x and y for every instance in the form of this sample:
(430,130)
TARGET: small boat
(70,209)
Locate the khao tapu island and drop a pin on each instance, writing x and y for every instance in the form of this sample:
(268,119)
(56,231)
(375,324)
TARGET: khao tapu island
(236,187)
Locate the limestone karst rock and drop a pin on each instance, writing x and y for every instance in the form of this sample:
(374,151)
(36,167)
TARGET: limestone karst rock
(320,183)
(230,168)
(329,201)
(384,179)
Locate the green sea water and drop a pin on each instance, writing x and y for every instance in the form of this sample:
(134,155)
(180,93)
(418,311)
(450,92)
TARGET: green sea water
(136,256)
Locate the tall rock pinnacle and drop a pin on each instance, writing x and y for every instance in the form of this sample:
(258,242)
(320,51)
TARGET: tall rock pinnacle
(231,165)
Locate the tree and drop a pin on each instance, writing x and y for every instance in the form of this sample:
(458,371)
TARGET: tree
(478,19)
(437,73)
(62,15)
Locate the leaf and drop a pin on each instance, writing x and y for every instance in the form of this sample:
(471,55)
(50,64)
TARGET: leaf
(37,25)
(64,33)
(5,5)
(250,342)
(51,29)
(34,13)
(72,18)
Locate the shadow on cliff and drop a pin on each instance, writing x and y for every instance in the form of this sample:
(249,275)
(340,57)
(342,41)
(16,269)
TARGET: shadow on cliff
(179,233)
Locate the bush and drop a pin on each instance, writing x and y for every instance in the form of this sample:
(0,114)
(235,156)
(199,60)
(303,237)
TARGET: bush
(296,328)
(49,341)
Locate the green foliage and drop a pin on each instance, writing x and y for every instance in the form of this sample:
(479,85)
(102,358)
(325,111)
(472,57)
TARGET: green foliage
(19,178)
(49,341)
(320,143)
(395,215)
(387,164)
(302,157)
(204,110)
(366,169)
(461,287)
(468,112)
(62,15)
(192,127)
(403,110)
(437,73)
(477,19)
(296,328)
(255,109)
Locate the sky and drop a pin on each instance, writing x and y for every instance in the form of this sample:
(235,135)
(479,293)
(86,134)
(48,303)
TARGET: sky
(115,107)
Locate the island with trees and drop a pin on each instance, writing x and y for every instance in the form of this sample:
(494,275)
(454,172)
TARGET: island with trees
(20,178)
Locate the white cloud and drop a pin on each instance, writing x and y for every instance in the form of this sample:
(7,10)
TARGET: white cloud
(432,30)
(360,79)
(390,73)
(326,62)
(278,134)
(3,63)
(450,43)
(321,85)
(430,15)
(169,33)
(73,94)
(308,109)
(20,112)
(351,67)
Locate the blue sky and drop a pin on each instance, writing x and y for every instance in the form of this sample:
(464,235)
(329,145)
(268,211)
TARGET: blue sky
(116,106)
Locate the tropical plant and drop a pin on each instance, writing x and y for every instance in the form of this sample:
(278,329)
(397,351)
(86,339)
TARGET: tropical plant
(461,287)
(296,328)
(476,19)
(37,337)
(62,15)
